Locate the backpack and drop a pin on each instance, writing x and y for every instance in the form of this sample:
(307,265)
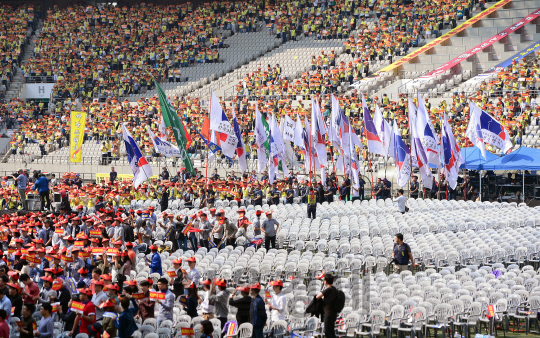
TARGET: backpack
(339,302)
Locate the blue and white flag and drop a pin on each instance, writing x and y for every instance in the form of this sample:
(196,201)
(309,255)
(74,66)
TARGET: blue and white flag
(427,135)
(162,146)
(240,149)
(418,152)
(140,167)
(401,157)
(214,148)
(451,154)
(483,128)
(220,123)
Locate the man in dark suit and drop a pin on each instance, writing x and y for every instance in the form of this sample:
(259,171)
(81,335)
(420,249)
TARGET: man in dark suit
(113,175)
(178,287)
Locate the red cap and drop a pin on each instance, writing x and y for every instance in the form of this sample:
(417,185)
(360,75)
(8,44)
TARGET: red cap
(243,288)
(86,291)
(276,283)
(191,259)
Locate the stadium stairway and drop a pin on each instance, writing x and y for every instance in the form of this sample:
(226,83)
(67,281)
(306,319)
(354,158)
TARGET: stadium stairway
(243,47)
(16,86)
(501,50)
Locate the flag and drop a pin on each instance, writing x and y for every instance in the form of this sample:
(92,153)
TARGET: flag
(309,153)
(240,149)
(277,150)
(298,134)
(317,118)
(220,123)
(374,142)
(288,129)
(451,154)
(77,125)
(401,157)
(427,135)
(262,139)
(483,128)
(354,167)
(317,133)
(214,148)
(335,132)
(140,167)
(417,151)
(162,146)
(162,129)
(183,139)
(383,129)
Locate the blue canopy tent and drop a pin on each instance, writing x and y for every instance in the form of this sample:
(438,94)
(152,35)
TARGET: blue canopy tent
(475,160)
(522,159)
(474,157)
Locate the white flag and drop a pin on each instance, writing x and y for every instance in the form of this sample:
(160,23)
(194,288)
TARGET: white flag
(288,129)
(162,129)
(298,132)
(162,146)
(220,123)
(260,138)
(139,166)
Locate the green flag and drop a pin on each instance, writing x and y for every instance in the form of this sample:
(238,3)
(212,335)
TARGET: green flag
(267,132)
(172,120)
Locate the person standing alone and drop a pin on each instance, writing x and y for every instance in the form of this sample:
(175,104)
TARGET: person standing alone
(329,296)
(401,254)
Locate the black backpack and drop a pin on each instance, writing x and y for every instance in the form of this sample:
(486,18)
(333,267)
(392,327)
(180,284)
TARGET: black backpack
(339,302)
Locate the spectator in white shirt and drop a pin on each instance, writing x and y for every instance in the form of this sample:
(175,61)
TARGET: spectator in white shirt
(207,306)
(401,201)
(278,303)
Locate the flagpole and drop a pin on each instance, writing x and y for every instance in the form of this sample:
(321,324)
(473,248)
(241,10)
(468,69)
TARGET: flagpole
(410,156)
(465,180)
(439,171)
(335,172)
(207,151)
(371,170)
(159,164)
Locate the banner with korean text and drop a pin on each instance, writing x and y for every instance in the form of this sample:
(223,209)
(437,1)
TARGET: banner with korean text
(446,36)
(484,45)
(77,124)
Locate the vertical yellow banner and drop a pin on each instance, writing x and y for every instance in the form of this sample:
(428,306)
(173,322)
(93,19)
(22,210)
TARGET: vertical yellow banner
(77,122)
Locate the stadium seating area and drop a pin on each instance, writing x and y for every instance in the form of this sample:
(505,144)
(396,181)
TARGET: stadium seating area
(468,254)
(16,29)
(458,246)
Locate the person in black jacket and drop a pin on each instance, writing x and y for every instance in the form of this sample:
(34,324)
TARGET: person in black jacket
(69,317)
(15,298)
(129,234)
(165,199)
(178,287)
(243,304)
(192,301)
(64,296)
(329,296)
